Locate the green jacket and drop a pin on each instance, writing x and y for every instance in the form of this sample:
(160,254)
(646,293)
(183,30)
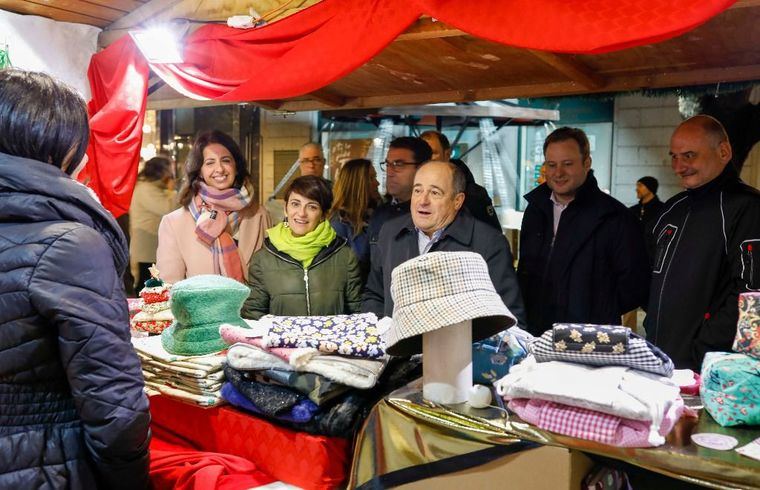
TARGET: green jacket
(332,284)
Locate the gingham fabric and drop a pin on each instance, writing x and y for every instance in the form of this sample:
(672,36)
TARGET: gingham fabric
(592,425)
(439,289)
(637,354)
(348,335)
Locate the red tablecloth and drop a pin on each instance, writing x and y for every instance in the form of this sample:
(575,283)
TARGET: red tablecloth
(298,458)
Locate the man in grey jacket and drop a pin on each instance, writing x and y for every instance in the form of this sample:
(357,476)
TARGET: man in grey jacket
(439,223)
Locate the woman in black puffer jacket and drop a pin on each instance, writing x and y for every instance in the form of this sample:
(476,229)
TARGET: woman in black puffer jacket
(72,409)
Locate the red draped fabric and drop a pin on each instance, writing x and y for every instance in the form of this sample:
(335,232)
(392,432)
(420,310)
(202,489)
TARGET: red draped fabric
(329,40)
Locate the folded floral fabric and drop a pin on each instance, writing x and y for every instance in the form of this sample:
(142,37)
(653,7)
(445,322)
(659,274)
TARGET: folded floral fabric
(318,388)
(613,390)
(300,413)
(232,335)
(600,345)
(731,388)
(349,335)
(354,372)
(592,425)
(271,400)
(747,339)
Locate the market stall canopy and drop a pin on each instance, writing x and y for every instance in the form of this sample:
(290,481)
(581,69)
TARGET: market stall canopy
(430,61)
(341,54)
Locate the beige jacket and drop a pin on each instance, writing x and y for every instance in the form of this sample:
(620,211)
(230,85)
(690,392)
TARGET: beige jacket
(181,254)
(150,202)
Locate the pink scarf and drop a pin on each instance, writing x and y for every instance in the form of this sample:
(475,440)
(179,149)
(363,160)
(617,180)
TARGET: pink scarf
(216,223)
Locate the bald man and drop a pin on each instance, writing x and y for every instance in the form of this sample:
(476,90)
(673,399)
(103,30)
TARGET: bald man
(438,222)
(706,247)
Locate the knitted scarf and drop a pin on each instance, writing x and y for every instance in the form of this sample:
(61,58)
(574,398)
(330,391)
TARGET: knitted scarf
(216,224)
(302,248)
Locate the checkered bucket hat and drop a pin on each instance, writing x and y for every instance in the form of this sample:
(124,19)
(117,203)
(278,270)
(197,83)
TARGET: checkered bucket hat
(440,289)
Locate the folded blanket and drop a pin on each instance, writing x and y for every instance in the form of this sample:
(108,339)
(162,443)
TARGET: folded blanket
(357,373)
(172,368)
(301,412)
(207,400)
(613,390)
(151,347)
(232,335)
(269,399)
(731,388)
(593,425)
(354,335)
(600,345)
(318,388)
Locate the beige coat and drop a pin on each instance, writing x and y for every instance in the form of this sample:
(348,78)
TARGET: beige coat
(181,254)
(150,202)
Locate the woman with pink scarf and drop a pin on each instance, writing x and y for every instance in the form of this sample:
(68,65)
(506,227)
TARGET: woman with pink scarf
(220,224)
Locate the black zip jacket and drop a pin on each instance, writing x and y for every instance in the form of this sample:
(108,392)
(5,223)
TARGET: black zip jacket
(705,253)
(595,269)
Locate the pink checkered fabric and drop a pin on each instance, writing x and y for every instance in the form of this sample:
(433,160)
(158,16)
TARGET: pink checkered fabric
(591,425)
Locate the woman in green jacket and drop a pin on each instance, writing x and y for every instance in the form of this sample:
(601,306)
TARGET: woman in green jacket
(304,268)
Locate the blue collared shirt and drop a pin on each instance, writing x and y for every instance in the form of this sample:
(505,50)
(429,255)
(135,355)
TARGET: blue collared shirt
(424,242)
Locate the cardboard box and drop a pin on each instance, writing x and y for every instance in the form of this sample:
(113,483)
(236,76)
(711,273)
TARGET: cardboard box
(542,468)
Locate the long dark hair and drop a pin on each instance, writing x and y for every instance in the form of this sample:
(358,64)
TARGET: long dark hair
(42,119)
(192,180)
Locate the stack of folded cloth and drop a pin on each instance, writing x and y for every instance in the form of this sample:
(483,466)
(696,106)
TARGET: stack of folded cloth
(187,360)
(596,382)
(314,374)
(730,388)
(193,379)
(155,315)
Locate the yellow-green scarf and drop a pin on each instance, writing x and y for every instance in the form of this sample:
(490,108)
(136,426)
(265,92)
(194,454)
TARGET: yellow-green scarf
(302,248)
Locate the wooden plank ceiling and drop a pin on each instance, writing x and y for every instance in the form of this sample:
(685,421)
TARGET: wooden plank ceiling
(432,62)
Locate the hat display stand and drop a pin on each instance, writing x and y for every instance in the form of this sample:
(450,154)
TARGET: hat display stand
(447,363)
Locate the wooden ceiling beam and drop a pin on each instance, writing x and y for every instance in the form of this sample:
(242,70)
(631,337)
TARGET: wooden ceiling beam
(141,14)
(327,97)
(50,12)
(622,83)
(428,28)
(571,68)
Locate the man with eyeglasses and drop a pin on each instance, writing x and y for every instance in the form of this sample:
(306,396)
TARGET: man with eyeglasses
(311,160)
(405,154)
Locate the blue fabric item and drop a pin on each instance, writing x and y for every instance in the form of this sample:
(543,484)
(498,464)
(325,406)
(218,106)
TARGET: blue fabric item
(637,354)
(730,388)
(72,409)
(493,357)
(301,412)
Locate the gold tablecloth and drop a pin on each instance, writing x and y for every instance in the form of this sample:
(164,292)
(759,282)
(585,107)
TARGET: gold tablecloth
(404,431)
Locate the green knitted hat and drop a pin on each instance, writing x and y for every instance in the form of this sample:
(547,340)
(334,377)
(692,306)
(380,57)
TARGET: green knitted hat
(200,304)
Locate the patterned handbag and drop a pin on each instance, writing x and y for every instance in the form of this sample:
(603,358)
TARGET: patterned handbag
(747,339)
(600,345)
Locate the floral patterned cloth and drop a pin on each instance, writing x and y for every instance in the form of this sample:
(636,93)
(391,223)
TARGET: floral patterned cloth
(747,338)
(634,352)
(349,335)
(731,388)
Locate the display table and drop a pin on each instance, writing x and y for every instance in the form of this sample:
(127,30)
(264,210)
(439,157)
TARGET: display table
(406,439)
(298,458)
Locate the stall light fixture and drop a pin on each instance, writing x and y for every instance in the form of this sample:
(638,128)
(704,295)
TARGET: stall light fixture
(158,45)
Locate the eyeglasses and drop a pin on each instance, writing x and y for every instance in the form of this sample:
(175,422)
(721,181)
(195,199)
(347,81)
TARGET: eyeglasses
(314,160)
(395,164)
